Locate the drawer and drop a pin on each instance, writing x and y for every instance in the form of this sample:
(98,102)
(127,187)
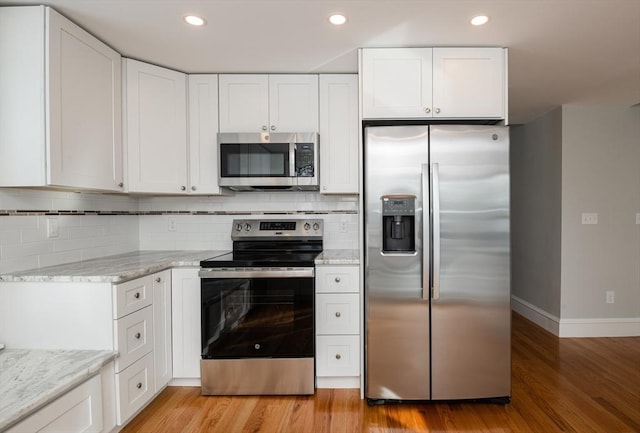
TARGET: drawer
(337,279)
(134,388)
(338,355)
(133,337)
(132,296)
(337,313)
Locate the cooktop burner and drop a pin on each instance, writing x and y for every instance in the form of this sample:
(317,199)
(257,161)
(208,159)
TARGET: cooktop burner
(282,243)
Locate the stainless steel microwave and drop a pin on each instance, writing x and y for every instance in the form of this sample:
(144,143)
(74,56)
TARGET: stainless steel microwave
(268,161)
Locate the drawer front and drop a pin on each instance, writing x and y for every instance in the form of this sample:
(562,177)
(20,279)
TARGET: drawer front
(132,296)
(134,388)
(338,355)
(134,337)
(337,279)
(337,313)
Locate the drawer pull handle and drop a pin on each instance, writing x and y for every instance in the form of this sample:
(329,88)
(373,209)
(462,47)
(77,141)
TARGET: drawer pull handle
(138,335)
(338,356)
(139,385)
(337,279)
(158,279)
(137,295)
(338,314)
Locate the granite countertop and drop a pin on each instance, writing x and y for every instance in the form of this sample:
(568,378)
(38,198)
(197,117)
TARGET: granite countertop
(30,379)
(338,257)
(113,269)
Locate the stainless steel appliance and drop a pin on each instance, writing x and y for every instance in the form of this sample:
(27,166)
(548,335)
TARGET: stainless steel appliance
(437,278)
(258,310)
(267,161)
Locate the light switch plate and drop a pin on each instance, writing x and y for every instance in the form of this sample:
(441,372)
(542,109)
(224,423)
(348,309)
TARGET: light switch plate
(589,218)
(52,228)
(638,218)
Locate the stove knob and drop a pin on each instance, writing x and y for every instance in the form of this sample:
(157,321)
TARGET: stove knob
(316,226)
(247,227)
(307,226)
(238,227)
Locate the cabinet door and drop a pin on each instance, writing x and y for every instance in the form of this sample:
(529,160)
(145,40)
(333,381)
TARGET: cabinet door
(185,307)
(469,82)
(339,134)
(156,132)
(84,112)
(162,329)
(293,103)
(203,127)
(244,103)
(396,82)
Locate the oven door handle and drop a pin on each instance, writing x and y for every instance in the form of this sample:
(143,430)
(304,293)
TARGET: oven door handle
(258,273)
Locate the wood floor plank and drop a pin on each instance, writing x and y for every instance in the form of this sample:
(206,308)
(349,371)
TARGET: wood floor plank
(558,386)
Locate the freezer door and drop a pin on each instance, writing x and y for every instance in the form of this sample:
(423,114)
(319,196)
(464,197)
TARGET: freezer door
(397,315)
(470,308)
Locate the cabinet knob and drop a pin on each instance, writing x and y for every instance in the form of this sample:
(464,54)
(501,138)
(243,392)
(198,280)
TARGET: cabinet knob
(273,127)
(138,335)
(437,110)
(193,188)
(137,295)
(158,279)
(183,188)
(121,184)
(337,279)
(338,314)
(139,385)
(338,356)
(427,110)
(264,127)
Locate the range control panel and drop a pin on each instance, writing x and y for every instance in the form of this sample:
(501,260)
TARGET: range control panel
(290,228)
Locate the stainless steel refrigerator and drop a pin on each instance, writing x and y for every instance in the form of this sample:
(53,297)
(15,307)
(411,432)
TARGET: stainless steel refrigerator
(437,257)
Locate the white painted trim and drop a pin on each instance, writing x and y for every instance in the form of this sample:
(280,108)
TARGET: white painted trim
(185,381)
(338,382)
(618,327)
(536,314)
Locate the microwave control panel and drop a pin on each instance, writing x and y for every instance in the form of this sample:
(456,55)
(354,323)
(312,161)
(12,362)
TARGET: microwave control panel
(304,160)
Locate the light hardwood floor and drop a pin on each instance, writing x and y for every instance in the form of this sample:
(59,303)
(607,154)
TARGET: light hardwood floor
(558,385)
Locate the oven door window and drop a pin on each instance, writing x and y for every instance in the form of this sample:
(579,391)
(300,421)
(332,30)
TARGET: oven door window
(254,160)
(257,318)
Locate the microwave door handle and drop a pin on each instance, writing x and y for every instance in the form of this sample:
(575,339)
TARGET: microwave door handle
(292,159)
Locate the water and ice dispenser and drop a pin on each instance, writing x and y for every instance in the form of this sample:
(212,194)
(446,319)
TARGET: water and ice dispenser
(398,223)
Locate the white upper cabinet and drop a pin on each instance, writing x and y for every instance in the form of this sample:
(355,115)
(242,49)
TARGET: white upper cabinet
(60,110)
(203,127)
(268,103)
(446,83)
(156,129)
(339,134)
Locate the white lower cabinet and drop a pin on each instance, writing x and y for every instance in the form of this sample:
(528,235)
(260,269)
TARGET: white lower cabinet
(134,388)
(337,326)
(79,410)
(185,308)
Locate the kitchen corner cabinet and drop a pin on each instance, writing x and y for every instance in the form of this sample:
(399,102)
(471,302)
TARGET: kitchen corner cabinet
(434,83)
(185,301)
(268,103)
(60,108)
(337,326)
(203,140)
(339,134)
(155,129)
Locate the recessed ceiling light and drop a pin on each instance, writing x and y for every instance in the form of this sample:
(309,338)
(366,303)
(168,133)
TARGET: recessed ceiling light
(479,20)
(195,20)
(337,19)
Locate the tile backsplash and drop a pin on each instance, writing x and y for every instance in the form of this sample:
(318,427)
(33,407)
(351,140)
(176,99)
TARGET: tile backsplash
(96,225)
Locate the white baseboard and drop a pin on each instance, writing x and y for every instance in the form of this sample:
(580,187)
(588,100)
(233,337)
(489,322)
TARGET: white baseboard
(613,327)
(537,315)
(338,382)
(185,381)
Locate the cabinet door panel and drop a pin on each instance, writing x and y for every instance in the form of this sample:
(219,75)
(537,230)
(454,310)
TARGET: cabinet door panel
(244,105)
(468,82)
(84,113)
(134,337)
(185,300)
(338,355)
(337,313)
(293,103)
(162,329)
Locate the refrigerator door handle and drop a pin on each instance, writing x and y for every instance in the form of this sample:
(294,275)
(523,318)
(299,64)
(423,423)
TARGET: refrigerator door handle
(426,287)
(435,206)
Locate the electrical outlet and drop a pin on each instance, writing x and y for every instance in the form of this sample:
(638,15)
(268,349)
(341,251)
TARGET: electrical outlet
(172,225)
(52,228)
(344,226)
(638,218)
(611,296)
(589,218)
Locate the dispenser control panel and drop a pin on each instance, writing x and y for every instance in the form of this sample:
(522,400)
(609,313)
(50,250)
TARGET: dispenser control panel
(398,206)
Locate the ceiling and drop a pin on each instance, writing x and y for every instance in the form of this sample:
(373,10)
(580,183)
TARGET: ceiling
(560,51)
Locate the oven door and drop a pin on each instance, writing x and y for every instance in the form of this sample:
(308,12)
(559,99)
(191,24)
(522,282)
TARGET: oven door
(257,313)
